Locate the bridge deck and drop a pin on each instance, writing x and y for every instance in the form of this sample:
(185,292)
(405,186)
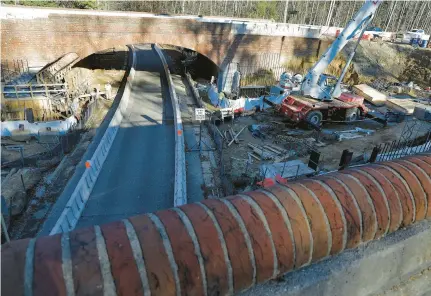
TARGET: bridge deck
(138,175)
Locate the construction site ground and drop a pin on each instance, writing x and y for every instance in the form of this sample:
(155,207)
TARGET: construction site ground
(244,176)
(47,171)
(378,64)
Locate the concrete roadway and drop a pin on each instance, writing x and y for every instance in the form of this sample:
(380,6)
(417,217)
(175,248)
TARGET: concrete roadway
(138,175)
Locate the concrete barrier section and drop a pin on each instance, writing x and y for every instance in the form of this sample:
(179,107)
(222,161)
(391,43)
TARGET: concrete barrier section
(74,207)
(180,191)
(224,246)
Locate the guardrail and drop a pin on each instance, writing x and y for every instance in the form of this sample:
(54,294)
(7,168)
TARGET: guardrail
(74,207)
(180,191)
(23,90)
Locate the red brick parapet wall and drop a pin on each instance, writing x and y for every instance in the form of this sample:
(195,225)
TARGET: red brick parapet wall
(41,40)
(218,247)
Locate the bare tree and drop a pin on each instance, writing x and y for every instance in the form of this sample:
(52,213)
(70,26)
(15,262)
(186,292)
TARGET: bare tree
(286,5)
(391,15)
(394,5)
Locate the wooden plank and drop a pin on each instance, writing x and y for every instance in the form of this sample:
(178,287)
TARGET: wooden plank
(370,94)
(41,85)
(272,149)
(282,150)
(406,106)
(231,134)
(236,136)
(254,156)
(262,152)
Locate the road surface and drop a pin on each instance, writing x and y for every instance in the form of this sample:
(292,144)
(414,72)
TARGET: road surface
(138,174)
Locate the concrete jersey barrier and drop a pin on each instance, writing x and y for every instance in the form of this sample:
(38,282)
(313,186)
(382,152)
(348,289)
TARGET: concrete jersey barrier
(223,246)
(79,197)
(180,191)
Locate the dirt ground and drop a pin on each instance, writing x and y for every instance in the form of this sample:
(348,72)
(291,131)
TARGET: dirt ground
(44,193)
(99,77)
(391,62)
(241,168)
(244,174)
(375,62)
(30,147)
(331,153)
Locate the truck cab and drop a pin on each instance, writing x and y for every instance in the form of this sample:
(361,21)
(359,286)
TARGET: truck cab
(327,85)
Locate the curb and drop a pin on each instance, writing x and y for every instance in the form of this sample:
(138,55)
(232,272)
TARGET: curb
(79,197)
(195,92)
(180,191)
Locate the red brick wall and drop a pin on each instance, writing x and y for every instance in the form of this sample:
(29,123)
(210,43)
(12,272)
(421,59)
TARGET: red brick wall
(42,40)
(222,246)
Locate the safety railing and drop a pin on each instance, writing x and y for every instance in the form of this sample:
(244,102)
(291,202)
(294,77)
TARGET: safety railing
(25,91)
(400,148)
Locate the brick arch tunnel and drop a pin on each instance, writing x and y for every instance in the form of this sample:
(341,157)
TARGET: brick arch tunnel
(220,247)
(198,65)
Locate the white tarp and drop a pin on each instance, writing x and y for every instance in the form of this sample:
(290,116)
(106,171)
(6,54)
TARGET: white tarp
(242,104)
(33,129)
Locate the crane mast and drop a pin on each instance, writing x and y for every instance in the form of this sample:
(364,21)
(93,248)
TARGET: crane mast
(314,84)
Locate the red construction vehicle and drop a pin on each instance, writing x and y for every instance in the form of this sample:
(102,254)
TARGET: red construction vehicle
(348,107)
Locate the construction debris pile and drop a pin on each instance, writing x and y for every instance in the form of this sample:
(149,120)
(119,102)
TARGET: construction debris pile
(262,146)
(248,143)
(57,91)
(269,152)
(240,104)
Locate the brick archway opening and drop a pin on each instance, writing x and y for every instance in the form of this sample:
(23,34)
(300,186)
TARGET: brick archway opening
(186,59)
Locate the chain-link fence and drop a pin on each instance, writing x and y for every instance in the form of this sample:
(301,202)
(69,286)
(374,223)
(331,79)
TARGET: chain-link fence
(54,145)
(253,91)
(87,113)
(219,146)
(258,75)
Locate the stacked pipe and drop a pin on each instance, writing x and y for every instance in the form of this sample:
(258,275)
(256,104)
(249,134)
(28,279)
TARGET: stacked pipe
(219,247)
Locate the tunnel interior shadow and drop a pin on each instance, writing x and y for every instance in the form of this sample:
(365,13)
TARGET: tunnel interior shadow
(198,65)
(109,59)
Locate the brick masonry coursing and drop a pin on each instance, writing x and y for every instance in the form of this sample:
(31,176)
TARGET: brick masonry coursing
(42,40)
(222,246)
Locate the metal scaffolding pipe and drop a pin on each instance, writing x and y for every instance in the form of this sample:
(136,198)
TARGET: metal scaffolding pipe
(222,246)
